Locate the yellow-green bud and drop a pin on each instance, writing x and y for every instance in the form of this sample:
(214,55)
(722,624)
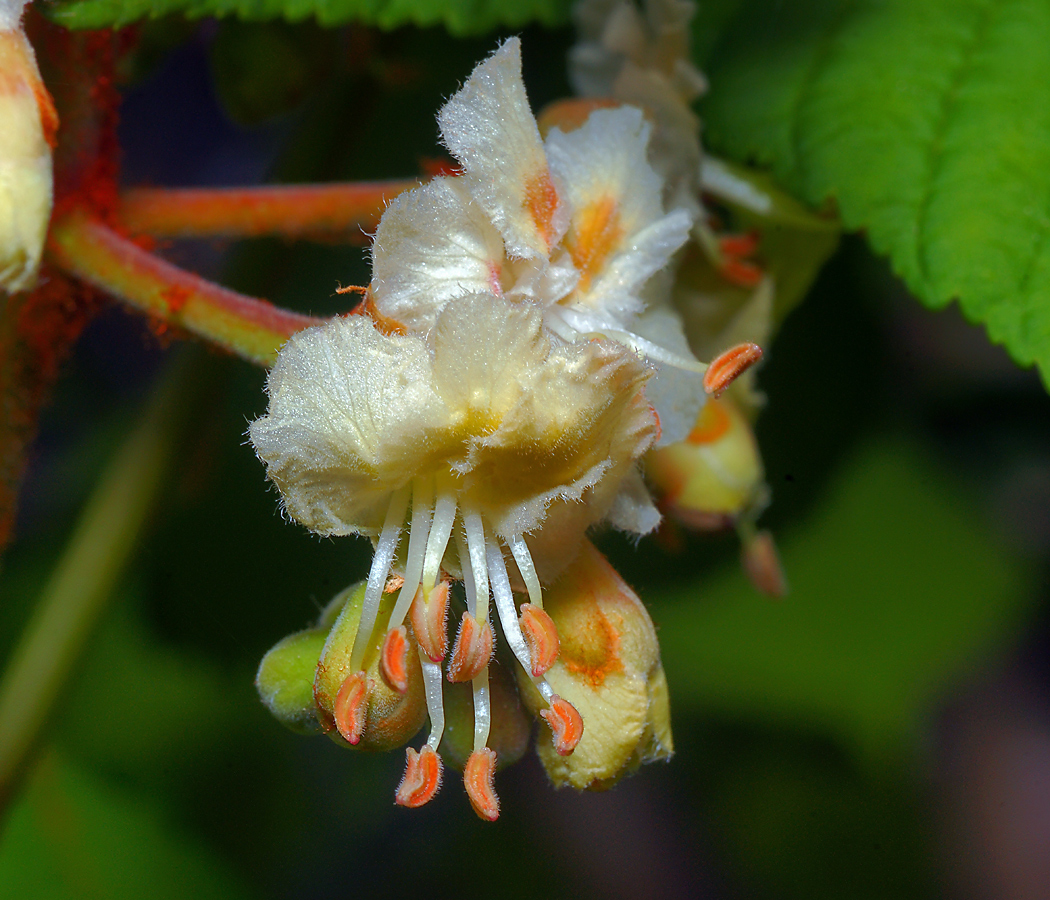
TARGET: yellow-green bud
(609,670)
(285,680)
(391,718)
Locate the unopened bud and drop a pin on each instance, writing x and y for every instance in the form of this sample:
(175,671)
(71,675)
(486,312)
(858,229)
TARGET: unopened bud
(609,671)
(714,475)
(359,707)
(27,125)
(285,680)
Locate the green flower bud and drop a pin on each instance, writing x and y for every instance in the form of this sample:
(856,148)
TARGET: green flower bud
(285,680)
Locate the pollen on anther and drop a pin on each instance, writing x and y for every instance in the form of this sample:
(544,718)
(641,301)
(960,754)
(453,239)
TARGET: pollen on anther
(422,778)
(479,776)
(393,660)
(728,366)
(541,636)
(472,650)
(566,725)
(351,706)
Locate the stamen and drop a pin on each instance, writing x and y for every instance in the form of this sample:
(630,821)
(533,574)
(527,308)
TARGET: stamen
(527,568)
(351,706)
(566,724)
(475,531)
(479,777)
(762,564)
(472,651)
(482,709)
(504,598)
(541,636)
(422,777)
(429,618)
(393,659)
(440,532)
(652,351)
(730,365)
(435,703)
(384,556)
(468,573)
(422,509)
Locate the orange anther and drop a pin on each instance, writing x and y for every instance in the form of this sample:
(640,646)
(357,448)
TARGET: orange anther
(429,618)
(393,659)
(740,272)
(351,706)
(479,776)
(729,366)
(472,649)
(762,565)
(566,724)
(739,244)
(541,636)
(422,778)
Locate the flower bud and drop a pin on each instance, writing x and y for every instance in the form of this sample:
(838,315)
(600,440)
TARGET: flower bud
(27,125)
(609,670)
(285,680)
(387,717)
(714,475)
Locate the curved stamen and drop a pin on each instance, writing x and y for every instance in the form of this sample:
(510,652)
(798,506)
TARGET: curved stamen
(468,573)
(475,531)
(527,568)
(478,778)
(435,704)
(651,351)
(422,510)
(482,709)
(437,543)
(384,556)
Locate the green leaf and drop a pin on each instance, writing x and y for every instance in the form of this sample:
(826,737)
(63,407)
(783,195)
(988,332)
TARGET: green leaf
(460,17)
(924,122)
(73,835)
(896,591)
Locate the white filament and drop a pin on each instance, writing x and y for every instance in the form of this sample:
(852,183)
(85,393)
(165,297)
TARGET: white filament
(435,705)
(523,558)
(422,501)
(440,531)
(482,709)
(384,556)
(475,530)
(468,573)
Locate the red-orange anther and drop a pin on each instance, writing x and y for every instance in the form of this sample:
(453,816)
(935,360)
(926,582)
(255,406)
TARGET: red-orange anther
(351,706)
(429,617)
(422,778)
(729,366)
(740,272)
(393,660)
(479,776)
(566,724)
(738,244)
(472,650)
(541,636)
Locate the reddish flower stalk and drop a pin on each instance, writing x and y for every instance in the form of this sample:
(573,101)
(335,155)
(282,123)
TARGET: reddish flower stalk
(344,212)
(248,327)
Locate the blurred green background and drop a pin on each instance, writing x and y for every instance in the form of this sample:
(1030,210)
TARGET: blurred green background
(884,731)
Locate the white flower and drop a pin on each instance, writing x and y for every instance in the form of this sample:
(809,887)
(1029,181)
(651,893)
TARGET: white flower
(27,121)
(573,224)
(494,441)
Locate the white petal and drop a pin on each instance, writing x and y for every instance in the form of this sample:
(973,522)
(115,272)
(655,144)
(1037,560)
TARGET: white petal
(489,128)
(350,414)
(433,243)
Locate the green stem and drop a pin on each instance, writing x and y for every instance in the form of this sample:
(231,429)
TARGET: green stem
(82,583)
(251,328)
(343,212)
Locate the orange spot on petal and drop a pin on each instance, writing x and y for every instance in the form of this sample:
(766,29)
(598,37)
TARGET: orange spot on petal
(393,660)
(729,366)
(479,776)
(566,724)
(596,230)
(422,778)
(351,706)
(541,636)
(472,650)
(711,424)
(541,201)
